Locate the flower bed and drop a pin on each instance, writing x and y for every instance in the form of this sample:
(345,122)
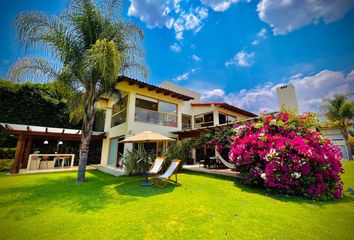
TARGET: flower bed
(284,153)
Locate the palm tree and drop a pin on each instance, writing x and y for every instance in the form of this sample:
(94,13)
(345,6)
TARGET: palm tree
(340,110)
(86,47)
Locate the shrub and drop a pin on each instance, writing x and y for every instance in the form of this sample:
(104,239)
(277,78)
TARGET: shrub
(137,161)
(176,151)
(7,153)
(283,152)
(5,165)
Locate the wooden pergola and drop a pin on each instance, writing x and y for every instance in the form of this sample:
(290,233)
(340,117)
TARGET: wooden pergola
(26,133)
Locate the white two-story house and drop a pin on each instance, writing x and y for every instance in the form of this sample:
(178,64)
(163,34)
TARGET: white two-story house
(166,109)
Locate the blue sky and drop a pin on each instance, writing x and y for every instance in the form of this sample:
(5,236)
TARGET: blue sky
(230,50)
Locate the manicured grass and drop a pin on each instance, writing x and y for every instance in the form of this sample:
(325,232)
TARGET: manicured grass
(53,206)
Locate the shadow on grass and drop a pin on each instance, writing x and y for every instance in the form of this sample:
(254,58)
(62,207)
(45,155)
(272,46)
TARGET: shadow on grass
(61,190)
(133,188)
(261,191)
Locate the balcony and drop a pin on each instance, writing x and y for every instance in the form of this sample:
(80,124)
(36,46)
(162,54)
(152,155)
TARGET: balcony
(153,117)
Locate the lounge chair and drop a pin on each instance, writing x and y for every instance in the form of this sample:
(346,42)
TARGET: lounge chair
(164,179)
(156,167)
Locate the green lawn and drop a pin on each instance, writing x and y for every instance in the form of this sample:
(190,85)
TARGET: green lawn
(53,206)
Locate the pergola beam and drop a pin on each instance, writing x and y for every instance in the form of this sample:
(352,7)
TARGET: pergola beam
(8,127)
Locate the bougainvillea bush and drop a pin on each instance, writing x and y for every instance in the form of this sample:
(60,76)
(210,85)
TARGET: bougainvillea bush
(283,152)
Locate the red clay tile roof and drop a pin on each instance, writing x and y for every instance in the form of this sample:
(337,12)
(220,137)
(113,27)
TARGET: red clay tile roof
(151,87)
(228,107)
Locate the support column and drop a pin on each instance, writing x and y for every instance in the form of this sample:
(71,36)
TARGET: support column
(19,154)
(28,150)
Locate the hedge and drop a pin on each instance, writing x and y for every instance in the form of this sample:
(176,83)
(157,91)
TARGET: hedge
(36,104)
(7,153)
(5,165)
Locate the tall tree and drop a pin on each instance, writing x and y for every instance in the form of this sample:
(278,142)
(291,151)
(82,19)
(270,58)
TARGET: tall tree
(88,45)
(340,110)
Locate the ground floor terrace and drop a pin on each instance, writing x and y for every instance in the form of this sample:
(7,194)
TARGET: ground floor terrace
(49,149)
(204,206)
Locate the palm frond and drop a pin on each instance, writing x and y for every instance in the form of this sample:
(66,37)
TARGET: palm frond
(76,106)
(32,69)
(85,20)
(105,61)
(41,32)
(111,9)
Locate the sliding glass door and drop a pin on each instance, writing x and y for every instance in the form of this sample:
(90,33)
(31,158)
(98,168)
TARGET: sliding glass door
(116,151)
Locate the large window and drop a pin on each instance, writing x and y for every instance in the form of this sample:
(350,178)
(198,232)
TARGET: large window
(150,110)
(224,118)
(204,120)
(119,112)
(186,122)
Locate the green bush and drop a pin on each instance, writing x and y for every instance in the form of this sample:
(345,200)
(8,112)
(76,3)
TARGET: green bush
(176,151)
(138,161)
(39,105)
(5,165)
(7,153)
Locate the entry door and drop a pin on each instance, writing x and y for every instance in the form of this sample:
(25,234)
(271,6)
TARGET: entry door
(120,152)
(116,151)
(113,152)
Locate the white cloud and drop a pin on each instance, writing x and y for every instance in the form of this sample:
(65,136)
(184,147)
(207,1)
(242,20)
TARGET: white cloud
(213,95)
(153,13)
(219,5)
(196,58)
(262,33)
(175,48)
(255,42)
(169,14)
(310,91)
(242,59)
(184,76)
(288,15)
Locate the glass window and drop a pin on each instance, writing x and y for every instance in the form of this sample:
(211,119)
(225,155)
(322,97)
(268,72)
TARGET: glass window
(204,120)
(209,117)
(199,119)
(146,104)
(120,105)
(231,118)
(186,122)
(167,107)
(222,118)
(153,111)
(119,112)
(119,118)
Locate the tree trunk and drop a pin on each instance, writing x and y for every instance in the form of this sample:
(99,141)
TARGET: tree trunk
(87,125)
(346,140)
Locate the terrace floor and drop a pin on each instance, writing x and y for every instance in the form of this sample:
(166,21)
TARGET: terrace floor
(215,171)
(53,170)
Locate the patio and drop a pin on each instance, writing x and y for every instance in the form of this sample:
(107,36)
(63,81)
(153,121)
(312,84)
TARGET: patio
(215,171)
(54,170)
(48,149)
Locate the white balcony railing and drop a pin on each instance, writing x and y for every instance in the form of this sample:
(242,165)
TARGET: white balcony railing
(204,124)
(153,117)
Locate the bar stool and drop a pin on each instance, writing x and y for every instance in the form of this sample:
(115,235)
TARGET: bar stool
(44,159)
(66,161)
